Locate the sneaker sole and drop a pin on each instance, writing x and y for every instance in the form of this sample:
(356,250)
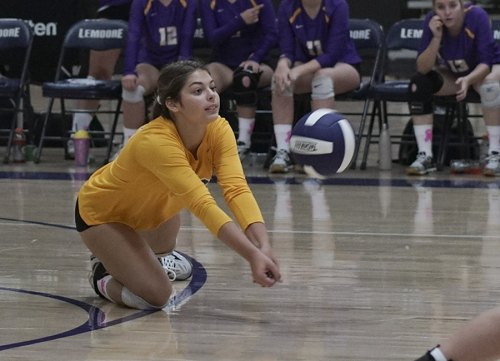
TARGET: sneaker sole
(489,173)
(278,169)
(415,171)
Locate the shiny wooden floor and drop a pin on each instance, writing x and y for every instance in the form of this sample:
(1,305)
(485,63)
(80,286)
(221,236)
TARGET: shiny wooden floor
(376,266)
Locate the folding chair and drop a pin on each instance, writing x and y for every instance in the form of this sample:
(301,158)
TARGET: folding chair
(456,112)
(16,37)
(401,45)
(93,34)
(368,37)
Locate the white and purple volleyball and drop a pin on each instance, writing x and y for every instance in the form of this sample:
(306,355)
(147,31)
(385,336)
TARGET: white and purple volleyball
(323,142)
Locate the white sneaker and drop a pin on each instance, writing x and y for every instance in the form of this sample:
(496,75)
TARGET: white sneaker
(492,167)
(422,165)
(177,266)
(281,162)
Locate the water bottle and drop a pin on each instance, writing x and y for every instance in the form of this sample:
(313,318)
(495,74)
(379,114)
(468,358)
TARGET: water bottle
(384,149)
(82,145)
(19,143)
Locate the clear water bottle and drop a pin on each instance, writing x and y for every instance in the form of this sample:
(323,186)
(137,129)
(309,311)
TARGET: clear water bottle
(484,147)
(384,149)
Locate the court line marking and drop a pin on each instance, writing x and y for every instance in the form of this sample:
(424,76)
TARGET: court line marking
(287,231)
(381,234)
(198,279)
(341,180)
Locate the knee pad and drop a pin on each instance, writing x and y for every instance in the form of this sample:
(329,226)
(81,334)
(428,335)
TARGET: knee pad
(287,92)
(422,88)
(490,94)
(322,88)
(245,84)
(134,96)
(133,301)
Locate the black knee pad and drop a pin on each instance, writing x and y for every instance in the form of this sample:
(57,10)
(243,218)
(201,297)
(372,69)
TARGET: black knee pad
(422,88)
(245,94)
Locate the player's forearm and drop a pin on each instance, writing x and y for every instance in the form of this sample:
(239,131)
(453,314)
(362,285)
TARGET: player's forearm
(427,59)
(257,234)
(232,235)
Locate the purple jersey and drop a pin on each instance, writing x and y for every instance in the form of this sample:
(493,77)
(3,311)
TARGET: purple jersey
(474,44)
(234,41)
(324,38)
(159,34)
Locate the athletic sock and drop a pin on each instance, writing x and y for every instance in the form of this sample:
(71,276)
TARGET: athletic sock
(282,132)
(81,121)
(245,130)
(102,285)
(423,134)
(493,138)
(127,134)
(437,355)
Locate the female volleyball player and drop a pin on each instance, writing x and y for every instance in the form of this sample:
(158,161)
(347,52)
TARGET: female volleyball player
(478,340)
(127,213)
(242,32)
(160,32)
(457,52)
(317,57)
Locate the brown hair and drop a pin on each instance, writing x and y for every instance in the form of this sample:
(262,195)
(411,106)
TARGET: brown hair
(434,3)
(172,79)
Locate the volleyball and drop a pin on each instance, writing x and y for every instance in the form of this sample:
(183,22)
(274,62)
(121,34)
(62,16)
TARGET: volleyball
(323,142)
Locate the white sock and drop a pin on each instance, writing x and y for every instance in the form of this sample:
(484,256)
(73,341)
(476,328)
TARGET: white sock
(282,132)
(127,134)
(423,134)
(133,301)
(493,138)
(81,121)
(245,130)
(102,284)
(438,355)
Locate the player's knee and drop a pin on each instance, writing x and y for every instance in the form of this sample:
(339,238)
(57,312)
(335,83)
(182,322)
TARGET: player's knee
(275,89)
(245,84)
(421,90)
(322,87)
(133,96)
(490,94)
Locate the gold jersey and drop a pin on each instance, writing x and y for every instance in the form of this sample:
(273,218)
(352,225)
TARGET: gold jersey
(155,176)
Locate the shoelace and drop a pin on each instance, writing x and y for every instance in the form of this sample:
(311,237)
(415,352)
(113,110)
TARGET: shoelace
(495,157)
(421,157)
(169,266)
(282,154)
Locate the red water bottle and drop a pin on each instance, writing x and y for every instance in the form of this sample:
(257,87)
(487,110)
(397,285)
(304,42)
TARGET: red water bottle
(19,143)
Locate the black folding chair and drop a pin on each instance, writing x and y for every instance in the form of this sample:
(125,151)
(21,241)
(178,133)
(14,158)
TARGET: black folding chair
(15,48)
(93,34)
(368,37)
(401,45)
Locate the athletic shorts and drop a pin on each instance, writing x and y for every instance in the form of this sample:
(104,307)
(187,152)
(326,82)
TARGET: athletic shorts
(79,222)
(119,12)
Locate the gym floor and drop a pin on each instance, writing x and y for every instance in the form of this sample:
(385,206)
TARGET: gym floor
(376,266)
